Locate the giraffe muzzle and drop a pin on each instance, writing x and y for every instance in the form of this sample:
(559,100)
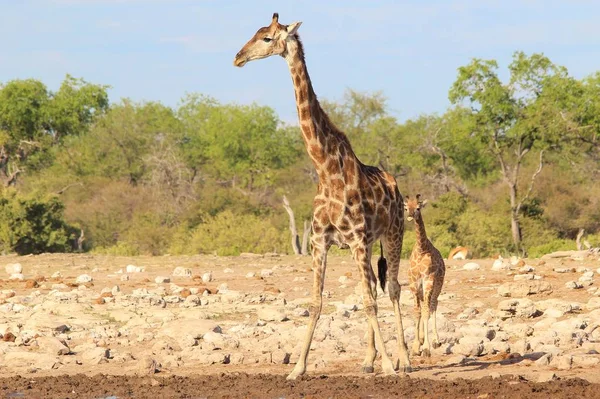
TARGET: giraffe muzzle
(409,218)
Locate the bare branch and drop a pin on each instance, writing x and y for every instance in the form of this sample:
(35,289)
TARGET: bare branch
(62,190)
(532,181)
(293,230)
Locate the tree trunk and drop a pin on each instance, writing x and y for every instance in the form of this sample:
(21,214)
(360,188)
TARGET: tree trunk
(515,226)
(305,236)
(578,240)
(293,230)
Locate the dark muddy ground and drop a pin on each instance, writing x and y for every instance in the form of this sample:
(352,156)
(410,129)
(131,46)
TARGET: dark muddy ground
(239,385)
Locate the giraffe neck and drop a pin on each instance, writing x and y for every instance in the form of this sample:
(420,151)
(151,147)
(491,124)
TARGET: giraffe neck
(320,135)
(422,240)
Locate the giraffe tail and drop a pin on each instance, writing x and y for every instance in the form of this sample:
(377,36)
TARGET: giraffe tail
(382,268)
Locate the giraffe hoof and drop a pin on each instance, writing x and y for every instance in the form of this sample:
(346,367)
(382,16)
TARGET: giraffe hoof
(406,369)
(426,353)
(367,369)
(436,344)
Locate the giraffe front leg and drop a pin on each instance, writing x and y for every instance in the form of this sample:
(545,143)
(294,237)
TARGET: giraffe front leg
(416,346)
(319,253)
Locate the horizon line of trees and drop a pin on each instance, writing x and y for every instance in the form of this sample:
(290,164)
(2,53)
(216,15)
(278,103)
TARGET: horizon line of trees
(509,167)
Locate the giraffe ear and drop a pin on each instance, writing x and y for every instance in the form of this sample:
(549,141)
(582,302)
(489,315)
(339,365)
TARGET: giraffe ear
(423,203)
(292,28)
(275,18)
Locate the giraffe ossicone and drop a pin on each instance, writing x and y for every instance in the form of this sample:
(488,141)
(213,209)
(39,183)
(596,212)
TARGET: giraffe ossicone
(355,204)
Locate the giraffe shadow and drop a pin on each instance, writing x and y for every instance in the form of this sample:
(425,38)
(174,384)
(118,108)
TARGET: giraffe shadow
(475,364)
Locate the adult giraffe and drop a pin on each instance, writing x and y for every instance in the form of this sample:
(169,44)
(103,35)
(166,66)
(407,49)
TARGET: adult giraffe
(355,203)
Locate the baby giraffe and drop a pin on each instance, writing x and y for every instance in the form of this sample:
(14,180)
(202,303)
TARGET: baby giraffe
(426,277)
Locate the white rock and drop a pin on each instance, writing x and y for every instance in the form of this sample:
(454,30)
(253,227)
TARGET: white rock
(573,285)
(586,277)
(207,277)
(271,314)
(182,272)
(56,274)
(471,266)
(162,280)
(13,268)
(521,277)
(266,273)
(84,278)
(500,264)
(227,270)
(526,269)
(134,269)
(95,356)
(250,275)
(593,303)
(125,277)
(53,346)
(17,276)
(343,279)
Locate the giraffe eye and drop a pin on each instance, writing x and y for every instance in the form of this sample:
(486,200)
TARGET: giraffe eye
(267,39)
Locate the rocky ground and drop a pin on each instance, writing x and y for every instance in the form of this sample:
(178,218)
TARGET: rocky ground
(164,320)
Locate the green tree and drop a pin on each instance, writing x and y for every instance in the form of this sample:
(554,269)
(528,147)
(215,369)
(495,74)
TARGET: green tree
(33,119)
(514,119)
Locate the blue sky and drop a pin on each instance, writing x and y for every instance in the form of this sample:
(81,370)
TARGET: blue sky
(160,49)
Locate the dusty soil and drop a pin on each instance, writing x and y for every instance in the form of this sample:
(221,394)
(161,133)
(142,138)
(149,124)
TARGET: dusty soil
(228,385)
(492,375)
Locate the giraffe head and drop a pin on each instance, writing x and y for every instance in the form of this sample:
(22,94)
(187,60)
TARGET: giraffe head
(412,207)
(267,41)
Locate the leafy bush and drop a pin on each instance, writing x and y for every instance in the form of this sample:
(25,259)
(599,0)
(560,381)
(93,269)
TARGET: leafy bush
(551,246)
(33,224)
(228,234)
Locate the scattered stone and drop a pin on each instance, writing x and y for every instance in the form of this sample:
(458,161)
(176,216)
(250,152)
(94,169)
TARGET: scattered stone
(471,266)
(84,278)
(517,308)
(563,362)
(573,285)
(53,346)
(182,272)
(100,301)
(280,357)
(207,277)
(31,284)
(134,269)
(343,279)
(9,337)
(266,273)
(13,268)
(300,312)
(148,366)
(524,288)
(520,277)
(593,303)
(95,356)
(526,269)
(227,270)
(17,276)
(500,264)
(162,280)
(125,277)
(456,360)
(564,270)
(271,314)
(546,376)
(184,293)
(250,275)
(56,274)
